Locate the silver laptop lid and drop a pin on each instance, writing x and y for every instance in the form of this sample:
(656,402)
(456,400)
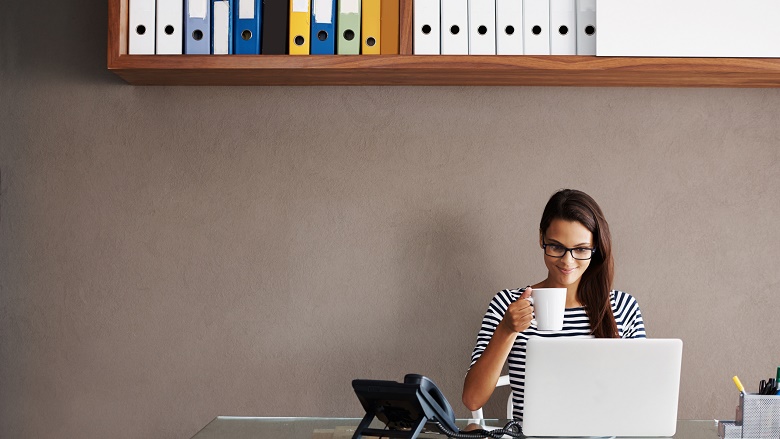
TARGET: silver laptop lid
(602,387)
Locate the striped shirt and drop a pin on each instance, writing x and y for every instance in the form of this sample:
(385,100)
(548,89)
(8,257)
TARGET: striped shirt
(575,324)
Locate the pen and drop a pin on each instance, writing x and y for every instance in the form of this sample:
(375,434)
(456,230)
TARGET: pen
(738,383)
(741,388)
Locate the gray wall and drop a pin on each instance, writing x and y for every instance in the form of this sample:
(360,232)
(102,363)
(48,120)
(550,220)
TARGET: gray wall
(168,255)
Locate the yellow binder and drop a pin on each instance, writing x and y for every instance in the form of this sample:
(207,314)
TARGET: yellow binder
(390,26)
(300,27)
(371,24)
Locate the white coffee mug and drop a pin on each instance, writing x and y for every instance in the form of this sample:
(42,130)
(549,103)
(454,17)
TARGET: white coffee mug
(549,305)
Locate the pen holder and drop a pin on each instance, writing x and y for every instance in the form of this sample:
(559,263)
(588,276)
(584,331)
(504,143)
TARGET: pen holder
(760,418)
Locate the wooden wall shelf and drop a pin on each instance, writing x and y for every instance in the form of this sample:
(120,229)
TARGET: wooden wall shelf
(408,69)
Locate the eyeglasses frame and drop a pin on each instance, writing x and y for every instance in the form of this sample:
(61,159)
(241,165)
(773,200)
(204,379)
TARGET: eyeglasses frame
(570,251)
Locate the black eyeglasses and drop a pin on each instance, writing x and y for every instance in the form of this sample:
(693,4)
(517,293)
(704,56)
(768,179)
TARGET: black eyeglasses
(559,251)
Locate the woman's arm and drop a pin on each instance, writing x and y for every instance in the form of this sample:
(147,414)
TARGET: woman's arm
(481,379)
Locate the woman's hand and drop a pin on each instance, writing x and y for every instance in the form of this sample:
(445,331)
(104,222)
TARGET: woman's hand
(519,314)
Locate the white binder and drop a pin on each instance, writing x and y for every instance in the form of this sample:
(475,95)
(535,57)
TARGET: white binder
(170,19)
(221,27)
(141,20)
(454,27)
(690,28)
(563,27)
(536,27)
(509,27)
(586,27)
(482,27)
(427,27)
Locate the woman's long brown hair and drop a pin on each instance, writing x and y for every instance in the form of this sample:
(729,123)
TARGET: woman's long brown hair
(596,282)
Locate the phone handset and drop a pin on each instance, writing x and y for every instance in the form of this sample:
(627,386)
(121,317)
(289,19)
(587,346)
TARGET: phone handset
(440,408)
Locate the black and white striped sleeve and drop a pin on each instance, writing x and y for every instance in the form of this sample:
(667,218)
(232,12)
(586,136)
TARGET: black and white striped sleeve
(629,316)
(495,312)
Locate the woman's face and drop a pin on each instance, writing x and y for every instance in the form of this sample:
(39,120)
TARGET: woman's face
(566,271)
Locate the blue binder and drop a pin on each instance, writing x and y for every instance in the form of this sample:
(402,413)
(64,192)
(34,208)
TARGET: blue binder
(197,27)
(323,27)
(246,27)
(222,27)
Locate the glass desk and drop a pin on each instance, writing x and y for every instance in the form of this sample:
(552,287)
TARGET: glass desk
(233,427)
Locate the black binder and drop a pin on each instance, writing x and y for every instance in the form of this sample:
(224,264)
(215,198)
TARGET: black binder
(276,18)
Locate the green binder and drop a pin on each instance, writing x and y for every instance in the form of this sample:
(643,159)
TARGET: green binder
(348,27)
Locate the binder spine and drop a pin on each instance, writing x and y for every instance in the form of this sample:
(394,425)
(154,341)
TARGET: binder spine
(536,27)
(274,29)
(482,27)
(563,27)
(142,27)
(323,30)
(246,27)
(221,27)
(455,27)
(370,31)
(300,27)
(586,27)
(509,27)
(348,27)
(427,27)
(170,16)
(197,27)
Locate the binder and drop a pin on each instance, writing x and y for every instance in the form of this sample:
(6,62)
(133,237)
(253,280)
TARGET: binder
(348,27)
(170,16)
(482,27)
(586,27)
(323,27)
(221,29)
(696,28)
(391,11)
(300,27)
(426,20)
(536,27)
(509,27)
(274,28)
(370,31)
(246,26)
(563,27)
(141,20)
(197,27)
(455,27)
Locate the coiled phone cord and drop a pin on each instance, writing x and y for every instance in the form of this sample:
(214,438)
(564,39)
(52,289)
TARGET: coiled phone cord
(512,428)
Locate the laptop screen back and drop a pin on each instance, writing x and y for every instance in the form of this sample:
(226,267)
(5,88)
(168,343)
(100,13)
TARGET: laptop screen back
(602,387)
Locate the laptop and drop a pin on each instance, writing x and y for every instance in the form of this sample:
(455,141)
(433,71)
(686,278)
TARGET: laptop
(601,387)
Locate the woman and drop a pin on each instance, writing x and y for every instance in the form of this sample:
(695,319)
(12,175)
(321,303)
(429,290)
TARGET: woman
(577,249)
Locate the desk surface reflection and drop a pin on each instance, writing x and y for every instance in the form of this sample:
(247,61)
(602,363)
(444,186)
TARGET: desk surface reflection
(234,427)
